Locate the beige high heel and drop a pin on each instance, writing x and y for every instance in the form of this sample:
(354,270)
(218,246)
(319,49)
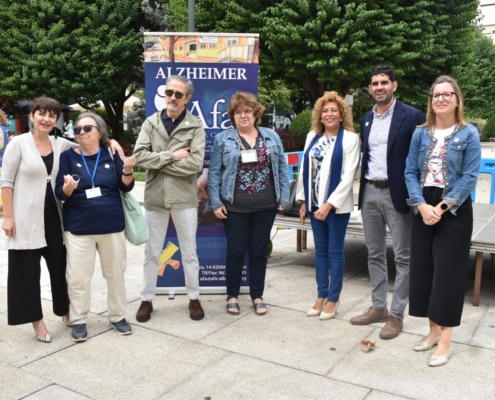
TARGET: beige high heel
(42,338)
(324,316)
(314,313)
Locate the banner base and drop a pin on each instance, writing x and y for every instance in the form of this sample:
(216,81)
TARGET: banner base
(202,290)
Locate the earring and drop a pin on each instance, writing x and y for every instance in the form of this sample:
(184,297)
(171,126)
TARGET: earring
(340,120)
(321,120)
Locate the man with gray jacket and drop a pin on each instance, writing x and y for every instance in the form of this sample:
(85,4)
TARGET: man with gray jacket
(171,146)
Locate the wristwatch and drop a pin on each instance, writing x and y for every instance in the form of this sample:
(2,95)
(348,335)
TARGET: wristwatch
(444,206)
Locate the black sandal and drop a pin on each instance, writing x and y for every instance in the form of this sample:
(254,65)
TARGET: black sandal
(233,308)
(258,306)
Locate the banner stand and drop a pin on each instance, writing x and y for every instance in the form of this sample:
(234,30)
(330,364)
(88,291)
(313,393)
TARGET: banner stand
(218,64)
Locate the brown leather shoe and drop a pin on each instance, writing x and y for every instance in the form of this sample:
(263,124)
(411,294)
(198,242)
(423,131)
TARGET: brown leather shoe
(144,312)
(370,316)
(196,311)
(392,328)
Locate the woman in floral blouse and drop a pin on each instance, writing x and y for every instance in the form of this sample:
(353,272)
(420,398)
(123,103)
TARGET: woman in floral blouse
(248,181)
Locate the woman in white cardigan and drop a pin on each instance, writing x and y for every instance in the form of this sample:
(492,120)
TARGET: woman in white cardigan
(330,163)
(32,219)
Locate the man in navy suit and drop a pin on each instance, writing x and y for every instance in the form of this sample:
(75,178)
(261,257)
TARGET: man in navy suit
(386,133)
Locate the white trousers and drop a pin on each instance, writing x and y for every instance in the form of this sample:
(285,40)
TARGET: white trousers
(81,255)
(186,225)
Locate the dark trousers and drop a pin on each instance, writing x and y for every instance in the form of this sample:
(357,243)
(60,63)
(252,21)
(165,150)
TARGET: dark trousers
(247,233)
(439,263)
(330,257)
(23,283)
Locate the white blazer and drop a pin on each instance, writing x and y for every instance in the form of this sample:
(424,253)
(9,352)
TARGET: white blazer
(342,197)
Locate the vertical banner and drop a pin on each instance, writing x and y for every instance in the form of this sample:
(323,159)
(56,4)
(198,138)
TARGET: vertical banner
(219,65)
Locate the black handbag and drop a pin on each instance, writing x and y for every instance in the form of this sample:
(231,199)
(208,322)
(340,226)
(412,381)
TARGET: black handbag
(294,206)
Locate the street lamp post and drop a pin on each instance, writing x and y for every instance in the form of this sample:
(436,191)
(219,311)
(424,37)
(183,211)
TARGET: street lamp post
(190,9)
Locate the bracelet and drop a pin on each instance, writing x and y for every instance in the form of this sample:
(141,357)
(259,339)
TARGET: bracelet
(129,174)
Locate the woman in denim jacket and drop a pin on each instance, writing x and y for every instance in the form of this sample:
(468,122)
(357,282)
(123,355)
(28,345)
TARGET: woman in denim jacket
(442,170)
(248,181)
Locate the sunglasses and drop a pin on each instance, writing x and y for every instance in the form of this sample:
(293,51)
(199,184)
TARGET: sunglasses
(85,128)
(170,93)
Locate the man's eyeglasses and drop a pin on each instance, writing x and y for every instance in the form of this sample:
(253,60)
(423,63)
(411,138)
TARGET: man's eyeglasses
(85,128)
(446,96)
(170,93)
(246,113)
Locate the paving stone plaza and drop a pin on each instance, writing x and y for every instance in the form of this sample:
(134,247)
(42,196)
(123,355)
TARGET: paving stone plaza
(283,355)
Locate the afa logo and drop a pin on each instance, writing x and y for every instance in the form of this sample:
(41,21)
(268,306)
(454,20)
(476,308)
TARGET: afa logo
(160,100)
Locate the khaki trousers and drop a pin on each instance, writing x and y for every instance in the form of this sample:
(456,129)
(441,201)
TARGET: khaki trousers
(81,254)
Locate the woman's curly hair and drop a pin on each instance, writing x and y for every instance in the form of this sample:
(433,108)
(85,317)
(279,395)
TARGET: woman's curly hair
(345,111)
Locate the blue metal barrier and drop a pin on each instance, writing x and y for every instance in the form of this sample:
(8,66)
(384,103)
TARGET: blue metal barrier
(487,167)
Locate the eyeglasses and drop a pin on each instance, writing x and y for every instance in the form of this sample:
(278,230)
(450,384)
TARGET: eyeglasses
(446,96)
(247,113)
(170,93)
(85,128)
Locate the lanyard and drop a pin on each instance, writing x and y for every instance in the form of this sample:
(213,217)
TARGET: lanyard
(86,165)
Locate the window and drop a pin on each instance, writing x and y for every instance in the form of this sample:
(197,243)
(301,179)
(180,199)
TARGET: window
(213,45)
(203,46)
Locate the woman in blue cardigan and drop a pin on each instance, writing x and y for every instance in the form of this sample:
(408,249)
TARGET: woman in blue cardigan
(330,164)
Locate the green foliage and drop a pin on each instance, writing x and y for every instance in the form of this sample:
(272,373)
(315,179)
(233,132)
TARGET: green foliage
(89,50)
(332,44)
(476,76)
(302,125)
(489,128)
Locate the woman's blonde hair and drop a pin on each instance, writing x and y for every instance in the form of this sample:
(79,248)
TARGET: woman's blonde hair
(3,118)
(345,112)
(431,117)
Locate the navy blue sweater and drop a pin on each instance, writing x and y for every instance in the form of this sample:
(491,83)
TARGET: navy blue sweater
(98,215)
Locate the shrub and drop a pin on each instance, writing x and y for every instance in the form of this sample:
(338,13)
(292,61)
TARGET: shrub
(489,128)
(290,141)
(301,125)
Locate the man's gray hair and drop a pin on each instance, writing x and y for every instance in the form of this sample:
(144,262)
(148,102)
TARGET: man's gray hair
(185,81)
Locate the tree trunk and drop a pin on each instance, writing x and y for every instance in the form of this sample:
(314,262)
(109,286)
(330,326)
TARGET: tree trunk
(115,111)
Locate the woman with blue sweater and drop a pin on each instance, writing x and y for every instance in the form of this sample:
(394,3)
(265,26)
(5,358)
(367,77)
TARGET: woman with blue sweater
(88,182)
(330,164)
(442,220)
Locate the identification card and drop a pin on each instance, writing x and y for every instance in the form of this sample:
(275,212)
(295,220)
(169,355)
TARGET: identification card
(93,192)
(249,156)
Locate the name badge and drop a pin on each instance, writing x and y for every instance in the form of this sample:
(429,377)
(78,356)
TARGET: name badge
(93,192)
(249,156)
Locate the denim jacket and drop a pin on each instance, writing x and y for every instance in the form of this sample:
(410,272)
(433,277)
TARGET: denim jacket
(460,167)
(223,167)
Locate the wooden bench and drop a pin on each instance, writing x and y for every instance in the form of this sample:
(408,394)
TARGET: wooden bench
(483,238)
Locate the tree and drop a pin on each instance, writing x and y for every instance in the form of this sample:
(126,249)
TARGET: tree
(476,76)
(88,50)
(326,45)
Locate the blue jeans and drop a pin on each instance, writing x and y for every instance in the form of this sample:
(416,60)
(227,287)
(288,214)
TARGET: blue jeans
(330,257)
(247,232)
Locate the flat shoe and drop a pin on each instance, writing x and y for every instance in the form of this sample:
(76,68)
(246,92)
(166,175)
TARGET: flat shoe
(437,361)
(424,346)
(324,316)
(233,308)
(67,322)
(258,306)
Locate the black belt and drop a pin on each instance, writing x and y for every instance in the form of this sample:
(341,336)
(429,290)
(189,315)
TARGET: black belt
(379,184)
